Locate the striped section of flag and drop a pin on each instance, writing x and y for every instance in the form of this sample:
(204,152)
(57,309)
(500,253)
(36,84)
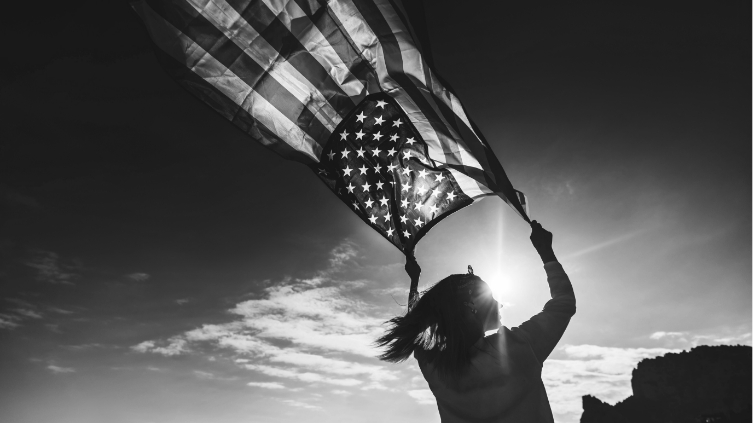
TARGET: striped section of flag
(287,72)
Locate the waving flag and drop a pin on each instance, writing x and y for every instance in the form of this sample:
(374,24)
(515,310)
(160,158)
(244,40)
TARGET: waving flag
(341,86)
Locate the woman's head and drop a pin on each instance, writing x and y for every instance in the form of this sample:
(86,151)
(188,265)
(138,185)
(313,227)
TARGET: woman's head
(446,321)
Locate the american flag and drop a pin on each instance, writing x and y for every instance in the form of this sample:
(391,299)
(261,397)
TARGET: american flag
(343,87)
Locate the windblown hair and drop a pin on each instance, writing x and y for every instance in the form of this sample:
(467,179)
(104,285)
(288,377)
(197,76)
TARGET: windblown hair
(437,327)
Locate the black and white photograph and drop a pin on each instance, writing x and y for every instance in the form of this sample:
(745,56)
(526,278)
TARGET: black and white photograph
(339,211)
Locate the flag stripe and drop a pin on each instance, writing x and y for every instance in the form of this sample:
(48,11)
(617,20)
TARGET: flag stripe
(233,27)
(277,81)
(311,38)
(331,29)
(285,46)
(181,47)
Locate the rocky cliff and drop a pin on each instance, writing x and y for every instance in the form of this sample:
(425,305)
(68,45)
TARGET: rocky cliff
(704,385)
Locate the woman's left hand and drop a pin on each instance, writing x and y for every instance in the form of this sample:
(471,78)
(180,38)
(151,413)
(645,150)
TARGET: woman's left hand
(412,268)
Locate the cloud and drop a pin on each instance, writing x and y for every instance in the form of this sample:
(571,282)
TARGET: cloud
(320,317)
(340,255)
(267,385)
(50,269)
(300,404)
(28,313)
(302,376)
(341,392)
(328,365)
(211,376)
(724,336)
(174,346)
(742,339)
(8,322)
(660,335)
(138,277)
(309,330)
(423,396)
(591,370)
(182,301)
(60,370)
(19,314)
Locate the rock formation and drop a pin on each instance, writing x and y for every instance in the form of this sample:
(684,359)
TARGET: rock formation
(704,385)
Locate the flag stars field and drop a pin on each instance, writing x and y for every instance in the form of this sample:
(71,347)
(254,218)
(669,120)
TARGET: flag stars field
(409,171)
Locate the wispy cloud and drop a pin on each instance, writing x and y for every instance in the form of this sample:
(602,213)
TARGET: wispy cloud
(201,374)
(301,404)
(60,370)
(15,317)
(18,316)
(423,396)
(8,322)
(174,346)
(660,335)
(28,313)
(267,385)
(341,392)
(725,336)
(340,255)
(302,376)
(138,277)
(51,269)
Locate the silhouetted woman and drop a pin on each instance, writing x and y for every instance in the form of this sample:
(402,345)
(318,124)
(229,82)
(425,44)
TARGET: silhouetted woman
(475,378)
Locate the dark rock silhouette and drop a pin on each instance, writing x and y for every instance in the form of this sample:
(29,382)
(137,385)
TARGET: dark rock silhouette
(704,385)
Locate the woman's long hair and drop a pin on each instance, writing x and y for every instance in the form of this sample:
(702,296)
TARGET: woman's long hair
(438,326)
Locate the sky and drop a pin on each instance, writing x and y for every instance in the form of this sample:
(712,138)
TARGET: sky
(156,265)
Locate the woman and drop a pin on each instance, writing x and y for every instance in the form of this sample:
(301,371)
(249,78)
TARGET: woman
(475,378)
